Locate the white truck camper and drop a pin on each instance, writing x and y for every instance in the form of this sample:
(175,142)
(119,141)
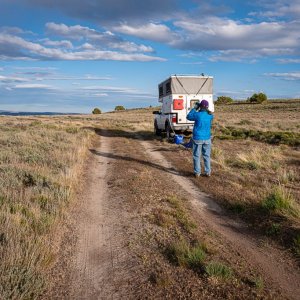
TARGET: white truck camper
(178,95)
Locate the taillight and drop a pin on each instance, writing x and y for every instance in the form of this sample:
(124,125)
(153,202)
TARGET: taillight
(174,118)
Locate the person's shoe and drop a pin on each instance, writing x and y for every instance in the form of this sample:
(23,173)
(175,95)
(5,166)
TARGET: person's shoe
(196,175)
(206,174)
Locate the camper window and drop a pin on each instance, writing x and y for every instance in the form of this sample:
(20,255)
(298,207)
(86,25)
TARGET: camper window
(161,91)
(168,88)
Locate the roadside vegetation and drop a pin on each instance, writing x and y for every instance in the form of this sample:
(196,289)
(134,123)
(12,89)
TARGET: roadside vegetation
(40,163)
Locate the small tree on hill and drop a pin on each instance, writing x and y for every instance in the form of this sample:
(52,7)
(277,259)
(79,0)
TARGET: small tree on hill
(96,111)
(119,107)
(224,100)
(257,98)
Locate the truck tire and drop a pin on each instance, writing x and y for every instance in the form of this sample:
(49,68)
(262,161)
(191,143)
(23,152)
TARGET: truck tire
(169,132)
(157,131)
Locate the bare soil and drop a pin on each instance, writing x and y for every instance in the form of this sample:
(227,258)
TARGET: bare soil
(115,247)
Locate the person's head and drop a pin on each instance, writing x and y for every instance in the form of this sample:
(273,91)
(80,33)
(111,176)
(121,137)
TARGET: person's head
(204,105)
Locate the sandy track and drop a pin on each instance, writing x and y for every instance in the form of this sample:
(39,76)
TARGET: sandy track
(96,253)
(280,272)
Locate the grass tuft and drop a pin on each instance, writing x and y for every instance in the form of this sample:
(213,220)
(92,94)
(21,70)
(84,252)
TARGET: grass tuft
(216,269)
(183,254)
(280,201)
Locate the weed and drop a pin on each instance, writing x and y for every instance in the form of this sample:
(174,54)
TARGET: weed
(216,269)
(183,254)
(280,200)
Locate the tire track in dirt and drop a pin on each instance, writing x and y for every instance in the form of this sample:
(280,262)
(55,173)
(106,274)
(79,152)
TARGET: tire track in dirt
(95,253)
(280,273)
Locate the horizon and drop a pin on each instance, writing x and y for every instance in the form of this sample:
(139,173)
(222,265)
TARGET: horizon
(73,56)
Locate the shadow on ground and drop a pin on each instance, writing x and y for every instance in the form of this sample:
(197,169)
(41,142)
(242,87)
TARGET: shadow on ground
(142,162)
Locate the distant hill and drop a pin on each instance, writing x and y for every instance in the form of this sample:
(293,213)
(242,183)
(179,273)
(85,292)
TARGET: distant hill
(20,113)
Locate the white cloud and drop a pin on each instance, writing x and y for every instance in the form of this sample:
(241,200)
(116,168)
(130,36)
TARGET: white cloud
(16,47)
(100,95)
(95,39)
(285,76)
(248,56)
(35,68)
(63,43)
(288,60)
(8,79)
(223,34)
(150,31)
(33,86)
(87,46)
(75,32)
(213,33)
(110,89)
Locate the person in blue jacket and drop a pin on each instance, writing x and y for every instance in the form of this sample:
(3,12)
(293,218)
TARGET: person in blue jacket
(201,137)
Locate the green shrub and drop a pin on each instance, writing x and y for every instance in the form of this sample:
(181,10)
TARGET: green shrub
(257,98)
(223,100)
(96,111)
(119,107)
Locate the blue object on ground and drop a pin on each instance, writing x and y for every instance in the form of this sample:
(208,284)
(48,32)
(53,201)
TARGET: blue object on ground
(189,144)
(178,139)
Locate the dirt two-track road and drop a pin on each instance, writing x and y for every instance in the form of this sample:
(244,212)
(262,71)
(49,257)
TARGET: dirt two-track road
(115,252)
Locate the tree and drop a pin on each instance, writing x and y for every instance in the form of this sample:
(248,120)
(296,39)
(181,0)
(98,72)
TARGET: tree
(96,111)
(224,100)
(257,98)
(119,107)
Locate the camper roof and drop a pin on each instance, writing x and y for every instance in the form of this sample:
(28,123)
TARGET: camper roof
(186,84)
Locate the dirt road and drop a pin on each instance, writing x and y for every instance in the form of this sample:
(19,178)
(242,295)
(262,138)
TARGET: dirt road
(118,249)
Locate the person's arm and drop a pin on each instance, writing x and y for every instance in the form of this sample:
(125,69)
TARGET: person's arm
(191,115)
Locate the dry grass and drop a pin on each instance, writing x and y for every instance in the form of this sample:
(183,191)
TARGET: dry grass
(39,164)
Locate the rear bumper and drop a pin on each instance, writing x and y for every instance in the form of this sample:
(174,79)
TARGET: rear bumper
(183,127)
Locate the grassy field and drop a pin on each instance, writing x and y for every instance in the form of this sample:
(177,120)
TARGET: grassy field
(255,174)
(40,161)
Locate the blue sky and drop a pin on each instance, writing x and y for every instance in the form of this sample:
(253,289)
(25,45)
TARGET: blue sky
(73,55)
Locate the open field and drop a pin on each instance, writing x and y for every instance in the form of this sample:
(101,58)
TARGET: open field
(40,163)
(169,248)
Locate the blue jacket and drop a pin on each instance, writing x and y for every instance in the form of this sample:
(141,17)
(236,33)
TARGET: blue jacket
(202,125)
